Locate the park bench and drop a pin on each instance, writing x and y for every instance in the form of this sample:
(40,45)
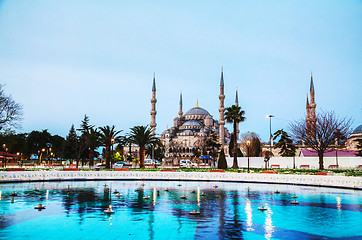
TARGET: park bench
(321,173)
(217,170)
(275,166)
(121,169)
(71,169)
(15,169)
(168,170)
(269,172)
(359,166)
(333,166)
(304,166)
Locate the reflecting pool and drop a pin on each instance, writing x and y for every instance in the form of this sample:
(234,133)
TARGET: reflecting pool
(75,210)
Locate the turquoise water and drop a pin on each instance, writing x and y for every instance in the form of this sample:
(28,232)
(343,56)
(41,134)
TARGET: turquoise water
(75,210)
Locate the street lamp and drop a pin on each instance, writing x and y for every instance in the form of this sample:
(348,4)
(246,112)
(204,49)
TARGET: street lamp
(112,142)
(271,136)
(248,143)
(4,160)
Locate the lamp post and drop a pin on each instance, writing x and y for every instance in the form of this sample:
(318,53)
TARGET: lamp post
(248,143)
(112,142)
(4,159)
(271,136)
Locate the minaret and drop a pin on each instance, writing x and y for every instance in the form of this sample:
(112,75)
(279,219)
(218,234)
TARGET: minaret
(312,104)
(237,104)
(153,104)
(307,119)
(180,113)
(222,110)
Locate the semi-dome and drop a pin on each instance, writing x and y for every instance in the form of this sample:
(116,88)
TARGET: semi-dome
(197,111)
(191,123)
(358,130)
(176,118)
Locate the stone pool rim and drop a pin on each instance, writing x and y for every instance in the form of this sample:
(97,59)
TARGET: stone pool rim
(342,182)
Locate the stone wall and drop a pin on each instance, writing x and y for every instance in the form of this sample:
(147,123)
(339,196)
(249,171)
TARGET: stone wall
(287,162)
(308,180)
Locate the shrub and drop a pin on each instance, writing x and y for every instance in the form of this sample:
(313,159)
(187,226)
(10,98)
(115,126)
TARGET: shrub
(221,164)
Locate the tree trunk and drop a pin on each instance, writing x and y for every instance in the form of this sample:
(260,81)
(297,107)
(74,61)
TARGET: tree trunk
(91,157)
(142,156)
(235,162)
(293,162)
(320,156)
(108,157)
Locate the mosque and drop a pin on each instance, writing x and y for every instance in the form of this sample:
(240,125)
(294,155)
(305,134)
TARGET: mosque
(189,132)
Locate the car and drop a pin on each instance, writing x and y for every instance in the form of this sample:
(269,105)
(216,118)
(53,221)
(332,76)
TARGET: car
(152,162)
(122,164)
(185,163)
(99,166)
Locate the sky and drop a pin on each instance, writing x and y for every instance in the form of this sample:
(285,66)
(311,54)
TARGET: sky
(64,59)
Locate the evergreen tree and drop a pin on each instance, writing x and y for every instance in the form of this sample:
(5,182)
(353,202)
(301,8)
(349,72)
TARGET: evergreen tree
(255,147)
(285,144)
(231,148)
(221,164)
(70,145)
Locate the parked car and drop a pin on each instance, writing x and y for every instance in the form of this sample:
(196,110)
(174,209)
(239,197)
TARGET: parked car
(187,164)
(122,164)
(152,162)
(99,166)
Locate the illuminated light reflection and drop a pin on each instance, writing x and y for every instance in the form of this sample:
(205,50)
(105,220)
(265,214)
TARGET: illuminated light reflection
(249,216)
(269,229)
(339,205)
(198,196)
(154,195)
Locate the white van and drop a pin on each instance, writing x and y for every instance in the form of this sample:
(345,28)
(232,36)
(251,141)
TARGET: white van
(185,163)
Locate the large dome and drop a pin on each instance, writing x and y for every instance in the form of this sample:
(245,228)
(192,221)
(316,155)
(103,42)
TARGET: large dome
(191,123)
(358,130)
(197,111)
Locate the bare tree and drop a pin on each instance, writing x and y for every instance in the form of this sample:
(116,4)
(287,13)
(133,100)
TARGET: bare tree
(320,136)
(255,144)
(10,111)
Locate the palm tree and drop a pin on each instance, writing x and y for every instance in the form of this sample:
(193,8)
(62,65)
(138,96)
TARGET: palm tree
(142,136)
(109,136)
(92,137)
(234,115)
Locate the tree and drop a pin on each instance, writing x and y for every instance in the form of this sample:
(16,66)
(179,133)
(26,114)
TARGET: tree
(142,136)
(221,164)
(234,115)
(70,146)
(255,144)
(267,155)
(285,144)
(37,141)
(58,143)
(10,111)
(320,135)
(92,141)
(213,145)
(106,135)
(231,148)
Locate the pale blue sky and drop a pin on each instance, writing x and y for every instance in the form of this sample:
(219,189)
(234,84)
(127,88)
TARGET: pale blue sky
(64,59)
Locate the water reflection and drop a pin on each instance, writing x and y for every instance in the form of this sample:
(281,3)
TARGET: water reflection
(226,213)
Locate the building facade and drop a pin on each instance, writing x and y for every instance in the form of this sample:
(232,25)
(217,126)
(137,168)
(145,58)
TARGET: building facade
(189,132)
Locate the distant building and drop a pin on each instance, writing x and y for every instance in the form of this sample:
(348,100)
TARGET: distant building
(351,142)
(190,130)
